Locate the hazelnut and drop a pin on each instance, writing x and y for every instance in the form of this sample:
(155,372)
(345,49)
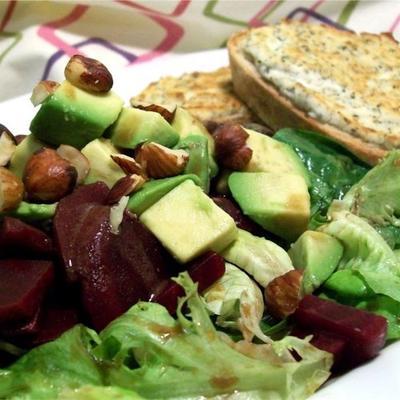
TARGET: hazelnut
(124,187)
(165,113)
(77,159)
(88,74)
(128,165)
(7,145)
(42,91)
(11,190)
(231,150)
(283,294)
(159,161)
(48,177)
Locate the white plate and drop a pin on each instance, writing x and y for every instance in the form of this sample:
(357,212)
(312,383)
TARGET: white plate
(378,379)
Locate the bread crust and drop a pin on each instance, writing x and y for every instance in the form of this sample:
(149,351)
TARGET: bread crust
(277,111)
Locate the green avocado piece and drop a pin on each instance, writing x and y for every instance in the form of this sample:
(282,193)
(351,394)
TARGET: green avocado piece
(198,163)
(75,117)
(22,154)
(187,125)
(153,190)
(188,223)
(318,254)
(270,155)
(33,212)
(135,126)
(102,166)
(278,201)
(348,284)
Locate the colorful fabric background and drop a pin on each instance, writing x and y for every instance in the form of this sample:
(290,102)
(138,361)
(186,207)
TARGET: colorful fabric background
(37,37)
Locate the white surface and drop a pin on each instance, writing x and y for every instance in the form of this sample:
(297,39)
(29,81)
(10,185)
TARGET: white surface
(379,379)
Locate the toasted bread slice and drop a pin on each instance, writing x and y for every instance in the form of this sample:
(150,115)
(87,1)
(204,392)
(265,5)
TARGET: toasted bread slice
(207,95)
(341,84)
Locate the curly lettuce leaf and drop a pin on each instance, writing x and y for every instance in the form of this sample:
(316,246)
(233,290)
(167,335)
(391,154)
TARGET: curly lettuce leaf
(366,252)
(260,258)
(238,302)
(188,358)
(46,370)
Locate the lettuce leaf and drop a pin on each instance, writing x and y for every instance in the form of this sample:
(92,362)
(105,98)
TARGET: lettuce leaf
(366,252)
(187,357)
(44,371)
(238,302)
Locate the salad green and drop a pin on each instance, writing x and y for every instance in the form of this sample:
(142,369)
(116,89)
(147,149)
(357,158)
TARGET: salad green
(148,353)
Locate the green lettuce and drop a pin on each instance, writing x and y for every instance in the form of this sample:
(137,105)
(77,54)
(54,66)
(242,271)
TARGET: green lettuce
(366,252)
(260,258)
(238,302)
(66,363)
(150,352)
(376,198)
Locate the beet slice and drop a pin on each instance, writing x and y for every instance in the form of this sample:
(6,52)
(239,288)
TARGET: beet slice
(113,271)
(21,239)
(364,332)
(23,284)
(69,221)
(205,270)
(55,320)
(334,344)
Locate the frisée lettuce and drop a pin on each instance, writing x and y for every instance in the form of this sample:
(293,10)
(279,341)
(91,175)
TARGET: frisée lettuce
(146,353)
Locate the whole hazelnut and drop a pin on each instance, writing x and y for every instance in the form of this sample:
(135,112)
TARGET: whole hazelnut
(11,190)
(283,294)
(231,150)
(48,177)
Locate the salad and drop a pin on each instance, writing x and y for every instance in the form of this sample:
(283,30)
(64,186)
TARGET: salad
(142,256)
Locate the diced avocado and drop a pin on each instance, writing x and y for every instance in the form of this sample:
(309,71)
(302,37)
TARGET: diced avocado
(75,117)
(188,223)
(153,190)
(279,202)
(262,259)
(135,126)
(348,284)
(198,163)
(270,155)
(33,212)
(187,125)
(22,154)
(102,167)
(318,254)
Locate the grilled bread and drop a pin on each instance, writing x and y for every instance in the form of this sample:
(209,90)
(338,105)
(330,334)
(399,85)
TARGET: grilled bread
(339,83)
(206,95)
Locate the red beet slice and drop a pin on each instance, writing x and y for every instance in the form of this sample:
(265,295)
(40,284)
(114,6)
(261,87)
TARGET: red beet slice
(326,341)
(69,221)
(54,322)
(114,271)
(23,284)
(205,270)
(365,332)
(17,237)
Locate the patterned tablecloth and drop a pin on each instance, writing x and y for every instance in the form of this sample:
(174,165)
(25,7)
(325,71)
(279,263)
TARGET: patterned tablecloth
(37,37)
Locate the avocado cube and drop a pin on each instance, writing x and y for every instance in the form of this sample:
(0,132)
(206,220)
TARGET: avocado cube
(270,155)
(188,223)
(135,126)
(318,254)
(279,202)
(102,166)
(75,117)
(153,190)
